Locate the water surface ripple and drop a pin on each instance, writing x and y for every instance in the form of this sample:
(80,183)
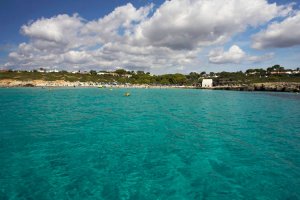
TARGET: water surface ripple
(156,144)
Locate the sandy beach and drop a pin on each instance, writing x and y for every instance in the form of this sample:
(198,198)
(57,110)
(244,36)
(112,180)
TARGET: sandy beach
(62,83)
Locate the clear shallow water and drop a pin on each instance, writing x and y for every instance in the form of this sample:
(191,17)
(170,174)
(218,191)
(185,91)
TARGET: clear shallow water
(155,144)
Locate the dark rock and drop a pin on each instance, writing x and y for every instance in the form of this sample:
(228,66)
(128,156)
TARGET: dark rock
(28,85)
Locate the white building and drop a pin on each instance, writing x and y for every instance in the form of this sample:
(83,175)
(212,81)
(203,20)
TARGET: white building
(52,70)
(108,73)
(207,83)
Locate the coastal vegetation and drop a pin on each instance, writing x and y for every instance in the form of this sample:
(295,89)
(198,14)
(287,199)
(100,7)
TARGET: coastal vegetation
(275,73)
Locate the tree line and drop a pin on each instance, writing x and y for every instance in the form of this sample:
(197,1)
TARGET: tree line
(275,73)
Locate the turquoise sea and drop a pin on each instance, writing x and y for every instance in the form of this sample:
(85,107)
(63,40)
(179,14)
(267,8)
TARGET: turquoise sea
(174,144)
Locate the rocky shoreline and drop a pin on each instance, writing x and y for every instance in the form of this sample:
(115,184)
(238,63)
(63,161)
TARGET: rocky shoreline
(271,86)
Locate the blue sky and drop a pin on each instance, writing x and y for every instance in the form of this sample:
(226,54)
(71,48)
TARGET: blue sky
(157,36)
(15,13)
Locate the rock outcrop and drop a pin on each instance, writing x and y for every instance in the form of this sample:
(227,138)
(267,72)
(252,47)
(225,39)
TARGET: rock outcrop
(271,86)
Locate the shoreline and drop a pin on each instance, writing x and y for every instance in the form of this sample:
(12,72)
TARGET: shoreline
(10,83)
(269,86)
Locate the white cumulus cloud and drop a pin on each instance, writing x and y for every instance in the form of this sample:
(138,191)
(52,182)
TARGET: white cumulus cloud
(234,55)
(188,24)
(170,37)
(59,29)
(279,34)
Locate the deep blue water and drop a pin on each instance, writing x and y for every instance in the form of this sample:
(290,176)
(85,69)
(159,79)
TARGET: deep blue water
(155,144)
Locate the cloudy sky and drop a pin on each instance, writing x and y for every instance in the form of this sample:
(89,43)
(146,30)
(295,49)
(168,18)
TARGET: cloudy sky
(157,36)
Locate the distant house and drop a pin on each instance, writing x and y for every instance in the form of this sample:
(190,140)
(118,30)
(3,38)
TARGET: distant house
(207,83)
(127,75)
(253,73)
(108,73)
(281,72)
(51,71)
(296,72)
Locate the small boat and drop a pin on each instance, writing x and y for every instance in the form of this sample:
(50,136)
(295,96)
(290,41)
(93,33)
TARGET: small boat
(127,94)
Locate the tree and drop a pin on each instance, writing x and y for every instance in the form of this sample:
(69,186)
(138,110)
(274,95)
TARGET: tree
(93,72)
(178,79)
(165,81)
(211,74)
(121,72)
(276,68)
(140,72)
(262,72)
(193,76)
(248,71)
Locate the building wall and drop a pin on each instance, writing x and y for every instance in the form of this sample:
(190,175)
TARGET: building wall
(207,83)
